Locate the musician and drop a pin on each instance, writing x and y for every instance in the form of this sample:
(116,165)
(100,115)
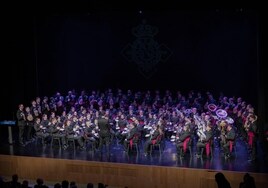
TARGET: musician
(21,123)
(183,139)
(60,107)
(36,114)
(52,116)
(204,139)
(228,141)
(174,119)
(39,131)
(29,123)
(252,131)
(58,131)
(90,134)
(238,121)
(222,128)
(121,124)
(104,133)
(141,117)
(69,100)
(45,106)
(34,106)
(38,104)
(155,138)
(73,132)
(132,132)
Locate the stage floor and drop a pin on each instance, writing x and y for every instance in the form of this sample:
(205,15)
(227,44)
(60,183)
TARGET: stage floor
(238,162)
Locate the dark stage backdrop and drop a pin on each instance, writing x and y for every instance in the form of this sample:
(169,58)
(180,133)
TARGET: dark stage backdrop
(205,51)
(177,50)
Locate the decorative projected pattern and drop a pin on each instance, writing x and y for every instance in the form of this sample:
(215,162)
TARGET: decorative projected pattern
(145,52)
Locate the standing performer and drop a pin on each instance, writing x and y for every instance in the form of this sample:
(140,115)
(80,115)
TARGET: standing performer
(228,141)
(252,129)
(21,123)
(104,133)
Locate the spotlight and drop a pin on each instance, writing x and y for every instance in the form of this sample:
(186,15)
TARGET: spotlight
(140,12)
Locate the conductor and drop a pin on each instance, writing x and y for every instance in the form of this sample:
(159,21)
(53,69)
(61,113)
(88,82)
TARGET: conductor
(104,133)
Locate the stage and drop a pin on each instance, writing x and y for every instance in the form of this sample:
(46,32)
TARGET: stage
(133,169)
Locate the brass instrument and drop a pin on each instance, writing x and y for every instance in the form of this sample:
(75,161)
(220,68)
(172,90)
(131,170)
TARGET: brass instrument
(29,117)
(212,107)
(22,115)
(222,126)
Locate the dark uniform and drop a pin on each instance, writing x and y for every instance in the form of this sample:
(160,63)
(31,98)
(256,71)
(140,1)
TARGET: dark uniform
(202,143)
(21,123)
(103,124)
(230,137)
(182,137)
(151,141)
(252,139)
(41,132)
(130,136)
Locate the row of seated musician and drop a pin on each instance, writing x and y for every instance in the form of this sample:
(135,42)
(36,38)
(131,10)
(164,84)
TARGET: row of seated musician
(184,142)
(63,135)
(133,138)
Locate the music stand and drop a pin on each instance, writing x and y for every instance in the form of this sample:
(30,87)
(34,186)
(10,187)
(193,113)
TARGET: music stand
(10,124)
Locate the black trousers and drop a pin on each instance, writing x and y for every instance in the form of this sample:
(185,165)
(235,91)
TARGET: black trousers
(104,140)
(21,133)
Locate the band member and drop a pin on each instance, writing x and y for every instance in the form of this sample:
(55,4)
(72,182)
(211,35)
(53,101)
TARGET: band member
(73,132)
(252,129)
(130,136)
(205,140)
(21,123)
(228,141)
(40,131)
(222,129)
(44,121)
(58,131)
(121,124)
(183,139)
(45,106)
(155,138)
(104,133)
(91,135)
(33,106)
(29,123)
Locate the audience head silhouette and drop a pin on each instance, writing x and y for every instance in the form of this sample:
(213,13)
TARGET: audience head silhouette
(90,185)
(248,182)
(221,181)
(65,184)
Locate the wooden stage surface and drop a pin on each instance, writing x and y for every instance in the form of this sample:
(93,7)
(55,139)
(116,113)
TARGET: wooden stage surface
(117,174)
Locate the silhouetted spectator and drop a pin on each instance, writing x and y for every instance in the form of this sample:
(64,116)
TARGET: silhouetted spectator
(222,182)
(65,184)
(101,185)
(90,185)
(14,182)
(2,182)
(57,185)
(73,184)
(25,184)
(248,182)
(40,183)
